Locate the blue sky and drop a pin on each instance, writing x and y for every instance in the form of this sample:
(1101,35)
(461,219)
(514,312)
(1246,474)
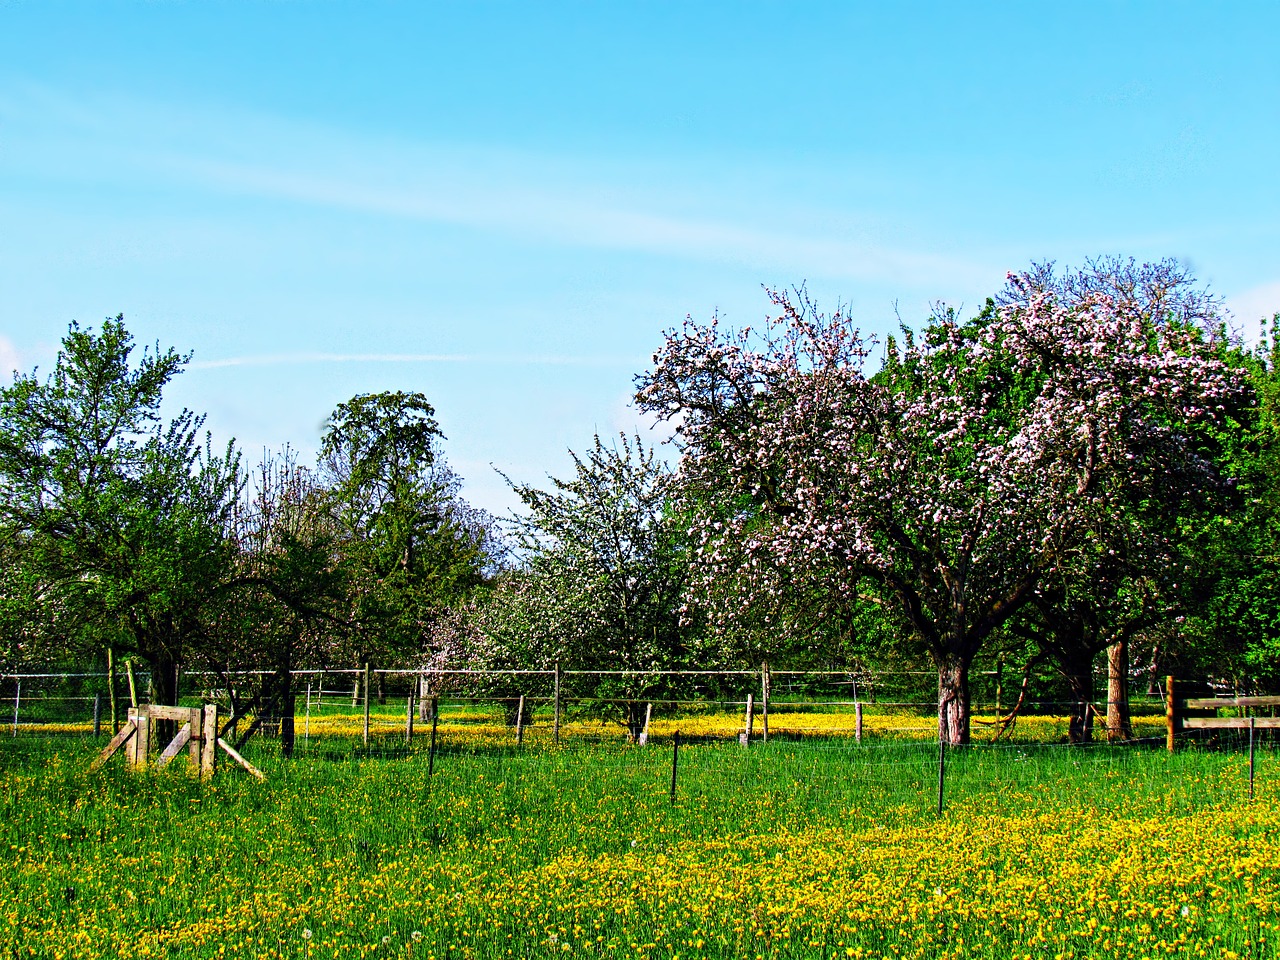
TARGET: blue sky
(504,205)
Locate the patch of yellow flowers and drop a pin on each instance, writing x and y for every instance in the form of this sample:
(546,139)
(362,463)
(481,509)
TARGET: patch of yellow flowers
(287,869)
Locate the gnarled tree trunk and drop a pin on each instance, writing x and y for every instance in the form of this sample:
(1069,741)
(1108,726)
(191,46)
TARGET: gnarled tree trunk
(164,692)
(953,699)
(635,720)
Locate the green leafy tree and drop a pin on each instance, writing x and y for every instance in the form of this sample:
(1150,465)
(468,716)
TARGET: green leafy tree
(410,545)
(121,514)
(285,606)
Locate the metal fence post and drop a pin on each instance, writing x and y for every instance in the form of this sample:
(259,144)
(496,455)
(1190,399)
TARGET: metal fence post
(555,722)
(942,770)
(366,704)
(675,761)
(435,719)
(408,717)
(1251,725)
(111,688)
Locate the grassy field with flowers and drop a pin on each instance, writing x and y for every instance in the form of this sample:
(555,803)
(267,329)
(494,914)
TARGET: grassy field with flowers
(804,847)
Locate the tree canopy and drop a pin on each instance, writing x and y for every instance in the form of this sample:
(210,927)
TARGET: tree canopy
(982,460)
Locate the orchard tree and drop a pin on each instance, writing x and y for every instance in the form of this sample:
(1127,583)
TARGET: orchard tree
(1148,564)
(410,546)
(602,581)
(120,514)
(954,480)
(1235,634)
(285,606)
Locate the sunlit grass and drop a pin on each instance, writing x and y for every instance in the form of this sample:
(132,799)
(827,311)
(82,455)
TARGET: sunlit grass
(799,848)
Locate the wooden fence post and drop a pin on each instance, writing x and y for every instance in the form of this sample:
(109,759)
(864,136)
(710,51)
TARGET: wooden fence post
(748,721)
(142,740)
(97,715)
(1251,725)
(857,722)
(555,722)
(209,747)
(520,721)
(408,717)
(366,704)
(133,684)
(1170,714)
(195,745)
(675,761)
(131,745)
(648,715)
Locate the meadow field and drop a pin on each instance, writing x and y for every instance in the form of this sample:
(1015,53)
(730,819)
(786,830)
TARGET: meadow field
(808,846)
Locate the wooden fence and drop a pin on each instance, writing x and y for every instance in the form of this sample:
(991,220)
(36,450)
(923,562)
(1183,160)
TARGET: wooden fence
(1201,713)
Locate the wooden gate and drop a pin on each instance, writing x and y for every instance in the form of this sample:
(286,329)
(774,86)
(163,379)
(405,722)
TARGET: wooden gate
(198,733)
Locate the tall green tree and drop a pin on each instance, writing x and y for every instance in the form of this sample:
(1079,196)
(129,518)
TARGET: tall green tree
(284,609)
(121,514)
(410,545)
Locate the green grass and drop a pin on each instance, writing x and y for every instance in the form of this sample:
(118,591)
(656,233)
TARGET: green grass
(787,849)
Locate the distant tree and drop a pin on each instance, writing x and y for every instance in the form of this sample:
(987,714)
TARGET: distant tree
(120,516)
(285,605)
(1233,636)
(601,581)
(410,545)
(956,479)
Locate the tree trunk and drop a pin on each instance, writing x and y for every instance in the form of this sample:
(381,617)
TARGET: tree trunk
(164,692)
(1079,673)
(953,700)
(1119,723)
(635,720)
(284,706)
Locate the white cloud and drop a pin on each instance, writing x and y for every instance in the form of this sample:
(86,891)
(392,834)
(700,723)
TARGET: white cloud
(294,359)
(548,211)
(1253,305)
(10,360)
(556,199)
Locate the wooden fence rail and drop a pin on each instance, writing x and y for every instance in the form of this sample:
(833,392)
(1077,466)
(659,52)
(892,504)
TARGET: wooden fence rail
(1183,714)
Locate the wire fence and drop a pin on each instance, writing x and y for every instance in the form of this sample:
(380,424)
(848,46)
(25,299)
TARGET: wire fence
(488,709)
(809,746)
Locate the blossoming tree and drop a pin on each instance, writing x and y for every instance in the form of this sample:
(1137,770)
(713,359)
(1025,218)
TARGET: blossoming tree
(977,461)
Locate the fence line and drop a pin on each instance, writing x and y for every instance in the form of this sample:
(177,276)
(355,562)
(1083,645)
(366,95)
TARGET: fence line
(781,712)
